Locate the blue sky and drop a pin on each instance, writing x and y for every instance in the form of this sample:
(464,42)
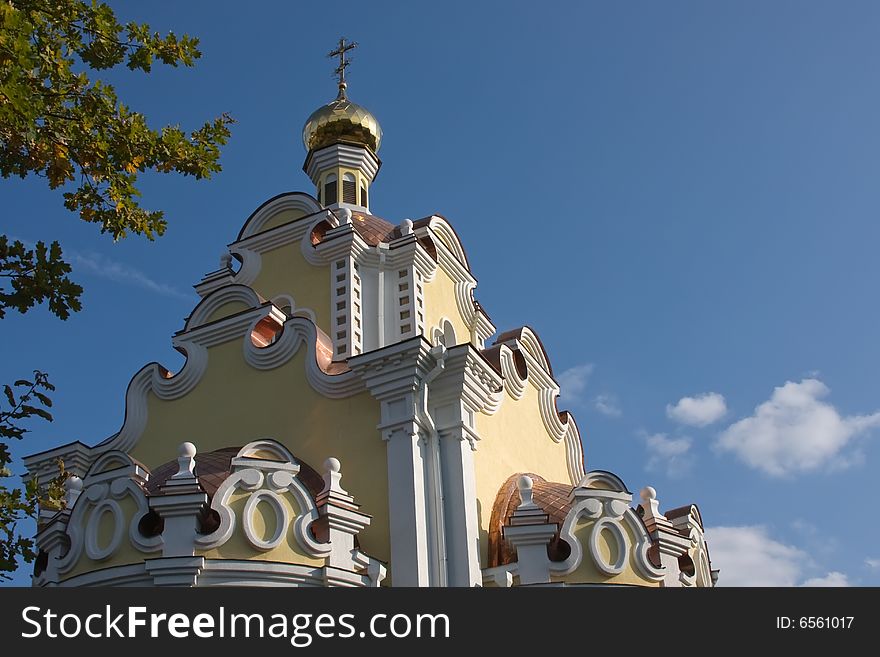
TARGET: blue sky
(680,197)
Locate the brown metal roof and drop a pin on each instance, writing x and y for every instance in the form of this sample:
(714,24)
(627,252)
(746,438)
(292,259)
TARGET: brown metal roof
(373,230)
(551,496)
(212,469)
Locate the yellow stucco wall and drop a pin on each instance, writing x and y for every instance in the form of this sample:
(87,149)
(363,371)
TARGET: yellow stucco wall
(235,404)
(227,310)
(285,271)
(440,304)
(283,217)
(513,440)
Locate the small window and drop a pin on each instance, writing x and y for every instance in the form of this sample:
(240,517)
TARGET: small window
(340,291)
(349,189)
(403,287)
(404,301)
(340,349)
(340,305)
(402,273)
(340,335)
(340,320)
(340,264)
(364,201)
(330,190)
(340,278)
(405,328)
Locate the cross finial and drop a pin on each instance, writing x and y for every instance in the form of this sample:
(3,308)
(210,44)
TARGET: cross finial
(343,47)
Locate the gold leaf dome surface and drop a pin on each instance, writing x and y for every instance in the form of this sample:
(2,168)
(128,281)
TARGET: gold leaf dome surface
(342,120)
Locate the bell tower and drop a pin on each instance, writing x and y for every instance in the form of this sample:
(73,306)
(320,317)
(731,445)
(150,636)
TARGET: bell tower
(342,139)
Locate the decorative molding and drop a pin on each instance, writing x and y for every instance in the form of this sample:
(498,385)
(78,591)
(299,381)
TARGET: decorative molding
(265,480)
(216,300)
(610,510)
(538,375)
(287,201)
(113,477)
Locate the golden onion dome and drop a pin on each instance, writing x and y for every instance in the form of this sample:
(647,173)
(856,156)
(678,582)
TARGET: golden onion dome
(342,121)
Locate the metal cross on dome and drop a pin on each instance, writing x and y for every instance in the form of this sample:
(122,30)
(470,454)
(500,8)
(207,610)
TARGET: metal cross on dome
(340,51)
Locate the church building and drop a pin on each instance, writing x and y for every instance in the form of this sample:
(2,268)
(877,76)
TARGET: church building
(349,415)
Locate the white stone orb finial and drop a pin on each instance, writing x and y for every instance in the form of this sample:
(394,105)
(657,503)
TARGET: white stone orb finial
(73,486)
(186,462)
(406,227)
(525,484)
(73,483)
(648,493)
(333,476)
(226,260)
(344,216)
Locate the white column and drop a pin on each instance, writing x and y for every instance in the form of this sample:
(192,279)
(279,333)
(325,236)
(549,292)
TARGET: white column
(393,376)
(406,506)
(460,507)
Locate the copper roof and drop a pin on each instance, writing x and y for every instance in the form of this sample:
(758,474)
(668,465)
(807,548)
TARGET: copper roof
(212,469)
(551,496)
(374,230)
(684,511)
(516,334)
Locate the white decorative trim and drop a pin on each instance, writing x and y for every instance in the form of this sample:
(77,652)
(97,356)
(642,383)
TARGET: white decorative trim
(282,519)
(447,237)
(261,476)
(603,479)
(295,332)
(514,385)
(103,489)
(341,155)
(217,299)
(608,508)
(281,203)
(128,575)
(614,529)
(93,550)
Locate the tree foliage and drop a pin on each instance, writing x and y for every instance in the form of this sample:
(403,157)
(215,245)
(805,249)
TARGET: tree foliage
(61,122)
(22,401)
(35,276)
(58,123)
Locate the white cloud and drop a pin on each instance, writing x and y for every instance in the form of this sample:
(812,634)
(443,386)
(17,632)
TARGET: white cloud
(668,454)
(834,578)
(607,405)
(873,563)
(698,411)
(116,271)
(747,556)
(794,431)
(573,381)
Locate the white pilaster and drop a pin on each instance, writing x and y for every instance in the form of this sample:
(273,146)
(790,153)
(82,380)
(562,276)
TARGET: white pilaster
(393,376)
